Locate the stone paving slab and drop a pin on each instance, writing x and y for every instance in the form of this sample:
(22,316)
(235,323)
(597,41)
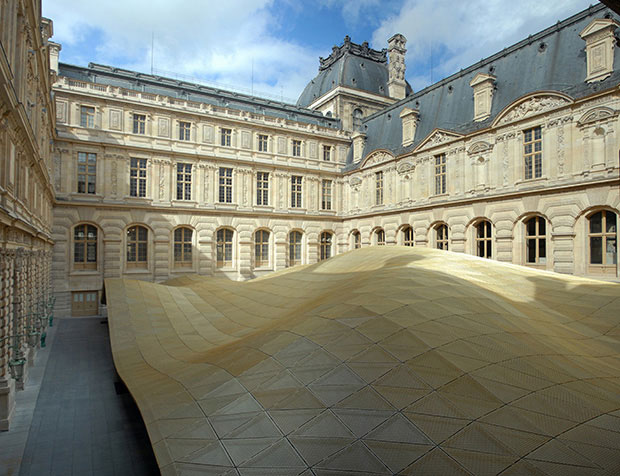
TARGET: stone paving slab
(85,422)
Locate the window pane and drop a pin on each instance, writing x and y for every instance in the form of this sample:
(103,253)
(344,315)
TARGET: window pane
(596,250)
(541,226)
(177,252)
(531,227)
(596,225)
(611,251)
(142,233)
(91,252)
(610,222)
(79,252)
(131,252)
(142,252)
(531,251)
(542,250)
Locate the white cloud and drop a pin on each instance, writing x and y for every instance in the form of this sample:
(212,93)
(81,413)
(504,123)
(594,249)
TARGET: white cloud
(218,41)
(461,33)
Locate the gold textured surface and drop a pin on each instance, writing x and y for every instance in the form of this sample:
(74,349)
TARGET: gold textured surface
(383,360)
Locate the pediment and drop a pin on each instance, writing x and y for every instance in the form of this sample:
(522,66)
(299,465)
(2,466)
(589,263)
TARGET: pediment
(405,167)
(377,157)
(532,105)
(438,137)
(480,147)
(597,114)
(598,25)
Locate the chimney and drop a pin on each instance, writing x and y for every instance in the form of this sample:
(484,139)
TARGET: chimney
(396,67)
(359,140)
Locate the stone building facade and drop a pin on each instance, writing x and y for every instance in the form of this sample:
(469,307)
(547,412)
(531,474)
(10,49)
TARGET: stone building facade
(155,178)
(514,159)
(27,121)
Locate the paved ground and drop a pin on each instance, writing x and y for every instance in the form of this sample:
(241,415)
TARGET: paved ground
(84,422)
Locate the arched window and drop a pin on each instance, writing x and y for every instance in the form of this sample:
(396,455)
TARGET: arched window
(325,249)
(85,247)
(441,237)
(137,246)
(224,248)
(603,244)
(357,240)
(536,240)
(483,239)
(294,248)
(380,237)
(358,114)
(183,247)
(407,236)
(261,248)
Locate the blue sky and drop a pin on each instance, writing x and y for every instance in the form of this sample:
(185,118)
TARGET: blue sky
(272,46)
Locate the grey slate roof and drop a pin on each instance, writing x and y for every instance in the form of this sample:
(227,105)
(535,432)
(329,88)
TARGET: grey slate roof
(354,66)
(523,68)
(133,80)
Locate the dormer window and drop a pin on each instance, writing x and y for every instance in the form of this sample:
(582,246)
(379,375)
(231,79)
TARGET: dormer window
(600,43)
(483,85)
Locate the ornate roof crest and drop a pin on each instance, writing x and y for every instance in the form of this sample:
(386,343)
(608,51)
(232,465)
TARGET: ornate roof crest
(363,50)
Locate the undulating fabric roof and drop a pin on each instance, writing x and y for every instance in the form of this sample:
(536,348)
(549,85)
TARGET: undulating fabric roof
(382,360)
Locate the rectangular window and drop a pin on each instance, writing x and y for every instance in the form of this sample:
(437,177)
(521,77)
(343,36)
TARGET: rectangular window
(226,137)
(440,174)
(262,188)
(532,153)
(86,172)
(327,153)
(139,124)
(225,185)
(379,188)
(87,116)
(262,142)
(296,148)
(326,195)
(184,130)
(137,178)
(296,191)
(184,181)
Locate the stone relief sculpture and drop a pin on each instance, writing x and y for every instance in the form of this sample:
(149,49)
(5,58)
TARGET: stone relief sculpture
(535,105)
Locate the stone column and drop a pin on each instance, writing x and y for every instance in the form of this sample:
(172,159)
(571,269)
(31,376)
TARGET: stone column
(7,384)
(19,323)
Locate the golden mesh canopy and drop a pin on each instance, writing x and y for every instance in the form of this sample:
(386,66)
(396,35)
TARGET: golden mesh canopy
(382,360)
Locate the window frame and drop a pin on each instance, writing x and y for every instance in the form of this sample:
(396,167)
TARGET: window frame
(408,240)
(262,248)
(326,239)
(185,130)
(327,153)
(441,182)
(87,243)
(603,267)
(138,177)
(379,187)
(225,137)
(295,248)
(184,179)
(297,191)
(483,239)
(86,173)
(296,147)
(262,188)
(183,262)
(139,123)
(137,243)
(357,239)
(537,237)
(326,194)
(263,143)
(442,236)
(224,248)
(534,157)
(87,117)
(225,190)
(379,236)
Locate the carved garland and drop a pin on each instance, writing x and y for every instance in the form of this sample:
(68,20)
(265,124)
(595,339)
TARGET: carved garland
(533,106)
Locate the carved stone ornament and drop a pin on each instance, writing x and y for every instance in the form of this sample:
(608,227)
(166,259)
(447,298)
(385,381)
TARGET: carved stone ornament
(405,167)
(597,114)
(438,137)
(480,147)
(532,106)
(377,158)
(355,181)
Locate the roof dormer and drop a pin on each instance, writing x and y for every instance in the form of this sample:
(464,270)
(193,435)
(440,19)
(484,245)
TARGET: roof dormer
(483,85)
(600,43)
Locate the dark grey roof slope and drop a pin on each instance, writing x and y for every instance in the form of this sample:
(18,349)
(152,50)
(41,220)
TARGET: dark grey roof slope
(147,83)
(553,59)
(351,65)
